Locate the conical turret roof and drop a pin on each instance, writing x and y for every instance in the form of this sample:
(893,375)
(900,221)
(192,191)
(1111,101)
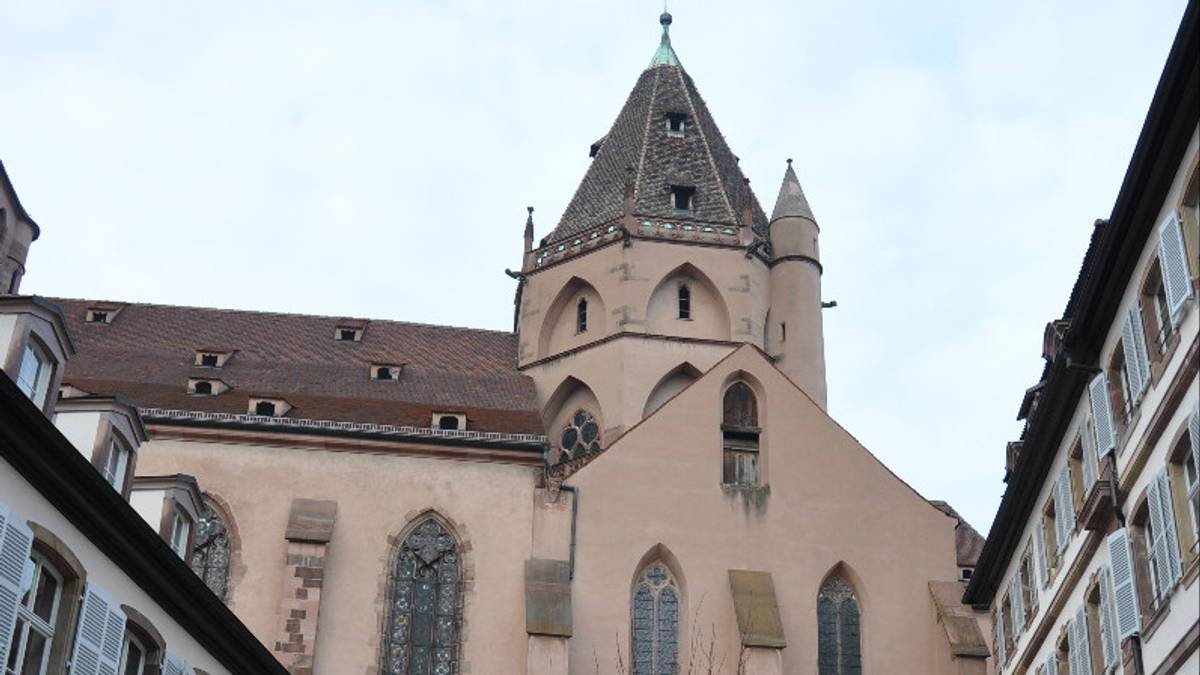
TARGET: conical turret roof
(791,201)
(640,152)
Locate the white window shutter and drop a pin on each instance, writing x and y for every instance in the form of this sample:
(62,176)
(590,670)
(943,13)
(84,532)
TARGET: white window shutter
(100,635)
(1060,540)
(1173,263)
(1106,437)
(1125,600)
(1072,648)
(1064,509)
(1039,552)
(1139,338)
(1018,604)
(1133,363)
(1108,628)
(1159,556)
(1091,464)
(1052,662)
(1084,640)
(15,542)
(1173,565)
(174,665)
(997,635)
(1194,433)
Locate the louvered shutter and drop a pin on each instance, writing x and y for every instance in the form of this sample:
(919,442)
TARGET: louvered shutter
(1139,338)
(1039,551)
(1084,640)
(100,635)
(1133,363)
(1194,434)
(1106,437)
(1072,648)
(1125,600)
(1052,663)
(1173,264)
(1032,610)
(174,665)
(997,636)
(1091,466)
(1172,563)
(1108,628)
(15,542)
(1064,508)
(1018,604)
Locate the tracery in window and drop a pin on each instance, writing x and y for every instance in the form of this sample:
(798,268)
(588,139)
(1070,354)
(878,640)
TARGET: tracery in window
(210,552)
(655,617)
(425,605)
(740,431)
(580,436)
(838,640)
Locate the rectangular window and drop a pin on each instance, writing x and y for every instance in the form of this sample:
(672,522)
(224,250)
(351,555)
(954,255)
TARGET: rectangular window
(33,375)
(116,466)
(676,124)
(681,199)
(741,463)
(181,529)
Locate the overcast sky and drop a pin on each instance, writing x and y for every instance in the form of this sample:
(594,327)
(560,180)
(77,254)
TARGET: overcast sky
(375,159)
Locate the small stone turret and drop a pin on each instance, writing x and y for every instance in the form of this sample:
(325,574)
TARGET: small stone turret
(794,333)
(17,232)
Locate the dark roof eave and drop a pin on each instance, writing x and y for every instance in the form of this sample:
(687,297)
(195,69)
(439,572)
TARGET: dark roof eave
(53,467)
(1109,264)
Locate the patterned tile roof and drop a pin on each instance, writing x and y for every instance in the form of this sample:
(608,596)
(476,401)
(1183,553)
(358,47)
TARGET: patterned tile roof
(148,352)
(638,149)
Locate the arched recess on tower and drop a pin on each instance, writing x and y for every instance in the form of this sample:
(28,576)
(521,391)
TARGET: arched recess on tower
(707,314)
(674,381)
(561,328)
(570,398)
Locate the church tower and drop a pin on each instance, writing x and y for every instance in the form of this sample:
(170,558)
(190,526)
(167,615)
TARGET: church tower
(17,232)
(794,335)
(659,267)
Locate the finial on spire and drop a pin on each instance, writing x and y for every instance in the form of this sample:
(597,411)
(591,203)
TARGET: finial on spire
(789,161)
(665,55)
(529,229)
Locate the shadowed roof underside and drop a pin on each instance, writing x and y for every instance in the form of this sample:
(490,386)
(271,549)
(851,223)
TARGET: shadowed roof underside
(148,354)
(639,150)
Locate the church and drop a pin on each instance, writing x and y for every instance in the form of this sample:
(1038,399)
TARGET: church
(641,477)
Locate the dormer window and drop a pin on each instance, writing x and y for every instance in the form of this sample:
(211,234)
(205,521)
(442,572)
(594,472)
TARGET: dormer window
(269,407)
(212,358)
(386,373)
(209,360)
(681,199)
(676,124)
(349,332)
(97,316)
(181,531)
(33,376)
(449,421)
(117,465)
(202,388)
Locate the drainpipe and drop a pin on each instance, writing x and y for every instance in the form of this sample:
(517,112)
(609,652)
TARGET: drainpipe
(574,519)
(1135,644)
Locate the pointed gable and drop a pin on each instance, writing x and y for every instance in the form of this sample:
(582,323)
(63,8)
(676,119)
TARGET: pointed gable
(639,152)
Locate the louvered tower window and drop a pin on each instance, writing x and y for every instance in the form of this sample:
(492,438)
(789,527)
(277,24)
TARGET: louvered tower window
(210,552)
(682,198)
(685,302)
(425,604)
(740,431)
(655,620)
(838,639)
(581,319)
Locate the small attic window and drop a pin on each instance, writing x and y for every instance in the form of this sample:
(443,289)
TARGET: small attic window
(386,373)
(208,360)
(203,388)
(681,199)
(345,334)
(266,408)
(269,407)
(97,316)
(211,358)
(676,124)
(449,421)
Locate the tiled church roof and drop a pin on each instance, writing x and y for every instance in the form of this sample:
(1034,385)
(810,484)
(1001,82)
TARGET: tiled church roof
(638,148)
(147,353)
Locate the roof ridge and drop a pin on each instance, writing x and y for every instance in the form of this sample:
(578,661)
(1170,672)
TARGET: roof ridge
(259,312)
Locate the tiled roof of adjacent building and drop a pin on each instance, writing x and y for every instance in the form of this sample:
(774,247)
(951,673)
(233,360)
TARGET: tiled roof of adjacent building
(148,354)
(638,150)
(968,543)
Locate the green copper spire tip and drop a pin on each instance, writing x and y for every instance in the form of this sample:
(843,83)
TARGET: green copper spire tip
(665,55)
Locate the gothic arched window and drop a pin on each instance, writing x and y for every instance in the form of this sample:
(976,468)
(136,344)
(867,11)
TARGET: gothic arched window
(655,617)
(740,430)
(581,316)
(425,604)
(210,553)
(838,639)
(580,436)
(685,302)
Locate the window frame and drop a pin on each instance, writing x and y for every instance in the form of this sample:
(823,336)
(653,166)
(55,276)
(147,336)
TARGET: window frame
(741,437)
(43,374)
(180,521)
(27,618)
(130,640)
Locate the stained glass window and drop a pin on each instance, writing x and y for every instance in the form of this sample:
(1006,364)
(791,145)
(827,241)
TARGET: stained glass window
(425,604)
(210,552)
(838,639)
(580,436)
(655,615)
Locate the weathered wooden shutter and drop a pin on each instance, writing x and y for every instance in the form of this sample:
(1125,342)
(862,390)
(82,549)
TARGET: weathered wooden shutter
(174,665)
(1108,627)
(1133,357)
(100,635)
(1084,640)
(1172,568)
(1173,264)
(1091,465)
(1018,604)
(1039,552)
(1106,437)
(15,542)
(1125,600)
